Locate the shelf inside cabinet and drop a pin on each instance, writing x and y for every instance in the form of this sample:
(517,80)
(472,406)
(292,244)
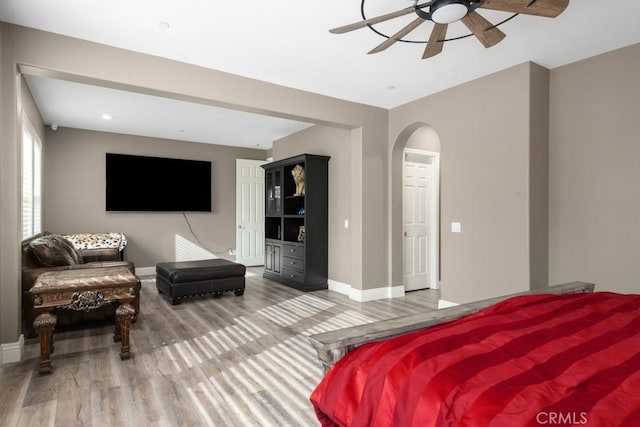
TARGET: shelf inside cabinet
(293,229)
(273,228)
(294,205)
(289,186)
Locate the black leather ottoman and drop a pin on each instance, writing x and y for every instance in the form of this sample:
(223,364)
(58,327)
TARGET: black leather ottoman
(176,280)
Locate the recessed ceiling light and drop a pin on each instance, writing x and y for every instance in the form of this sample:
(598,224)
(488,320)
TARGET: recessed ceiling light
(163,25)
(107,117)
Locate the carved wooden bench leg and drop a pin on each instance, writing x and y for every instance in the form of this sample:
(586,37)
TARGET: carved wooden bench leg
(124,315)
(44,325)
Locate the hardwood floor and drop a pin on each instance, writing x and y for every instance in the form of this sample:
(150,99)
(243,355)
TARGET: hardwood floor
(210,361)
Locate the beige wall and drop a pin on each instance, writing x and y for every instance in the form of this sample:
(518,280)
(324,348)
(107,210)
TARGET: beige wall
(374,200)
(15,97)
(483,127)
(424,138)
(6,296)
(31,109)
(594,198)
(75,183)
(539,178)
(334,142)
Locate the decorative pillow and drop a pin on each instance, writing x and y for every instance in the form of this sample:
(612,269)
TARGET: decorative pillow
(53,251)
(71,249)
(97,240)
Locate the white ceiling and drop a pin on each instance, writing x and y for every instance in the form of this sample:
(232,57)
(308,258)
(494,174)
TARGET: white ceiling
(82,106)
(287,42)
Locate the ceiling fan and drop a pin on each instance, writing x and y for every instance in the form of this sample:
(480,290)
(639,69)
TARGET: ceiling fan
(444,12)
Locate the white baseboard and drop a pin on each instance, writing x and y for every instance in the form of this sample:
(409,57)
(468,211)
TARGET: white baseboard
(367,294)
(444,304)
(377,293)
(339,287)
(12,352)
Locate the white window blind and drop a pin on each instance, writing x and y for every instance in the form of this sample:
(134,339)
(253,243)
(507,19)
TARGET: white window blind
(31,181)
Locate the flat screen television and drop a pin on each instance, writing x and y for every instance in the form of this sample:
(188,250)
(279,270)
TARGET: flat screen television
(157,184)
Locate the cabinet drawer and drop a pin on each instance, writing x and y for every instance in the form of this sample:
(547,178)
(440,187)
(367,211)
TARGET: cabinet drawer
(293,263)
(293,275)
(292,250)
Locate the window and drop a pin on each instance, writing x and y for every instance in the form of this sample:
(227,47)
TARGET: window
(31,181)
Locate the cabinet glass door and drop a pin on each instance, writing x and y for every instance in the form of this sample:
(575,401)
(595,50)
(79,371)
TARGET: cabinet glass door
(274,191)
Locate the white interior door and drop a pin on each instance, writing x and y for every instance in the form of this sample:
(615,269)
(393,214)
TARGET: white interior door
(420,220)
(249,212)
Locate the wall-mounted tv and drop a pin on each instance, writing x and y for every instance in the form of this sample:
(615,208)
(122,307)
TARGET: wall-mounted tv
(157,184)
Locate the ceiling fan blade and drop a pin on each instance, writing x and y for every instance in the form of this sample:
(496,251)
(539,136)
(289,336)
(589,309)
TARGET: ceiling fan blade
(397,36)
(371,21)
(435,43)
(546,8)
(484,30)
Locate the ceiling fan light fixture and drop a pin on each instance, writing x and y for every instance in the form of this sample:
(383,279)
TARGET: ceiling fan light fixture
(448,11)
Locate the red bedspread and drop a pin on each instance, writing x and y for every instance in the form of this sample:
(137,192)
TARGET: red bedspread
(528,361)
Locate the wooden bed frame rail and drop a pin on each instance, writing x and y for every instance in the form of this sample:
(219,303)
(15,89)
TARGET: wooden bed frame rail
(333,345)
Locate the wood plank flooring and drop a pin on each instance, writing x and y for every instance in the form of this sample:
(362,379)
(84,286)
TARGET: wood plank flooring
(210,361)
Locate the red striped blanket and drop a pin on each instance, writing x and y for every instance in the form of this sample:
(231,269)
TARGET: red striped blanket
(528,361)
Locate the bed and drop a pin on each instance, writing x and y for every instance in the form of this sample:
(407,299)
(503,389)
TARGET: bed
(567,356)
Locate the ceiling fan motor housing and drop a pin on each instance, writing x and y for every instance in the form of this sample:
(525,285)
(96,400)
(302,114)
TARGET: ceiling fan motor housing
(448,11)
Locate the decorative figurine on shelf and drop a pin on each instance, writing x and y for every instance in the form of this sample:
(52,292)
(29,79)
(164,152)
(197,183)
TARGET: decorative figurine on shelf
(298,178)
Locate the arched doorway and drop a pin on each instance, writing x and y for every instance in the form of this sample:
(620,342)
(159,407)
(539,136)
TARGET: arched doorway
(415,208)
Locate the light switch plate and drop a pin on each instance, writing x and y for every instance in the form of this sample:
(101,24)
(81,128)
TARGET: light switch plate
(455,227)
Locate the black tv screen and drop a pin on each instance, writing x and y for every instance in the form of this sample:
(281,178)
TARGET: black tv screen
(157,184)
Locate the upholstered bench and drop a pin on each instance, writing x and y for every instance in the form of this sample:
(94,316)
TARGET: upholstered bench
(176,280)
